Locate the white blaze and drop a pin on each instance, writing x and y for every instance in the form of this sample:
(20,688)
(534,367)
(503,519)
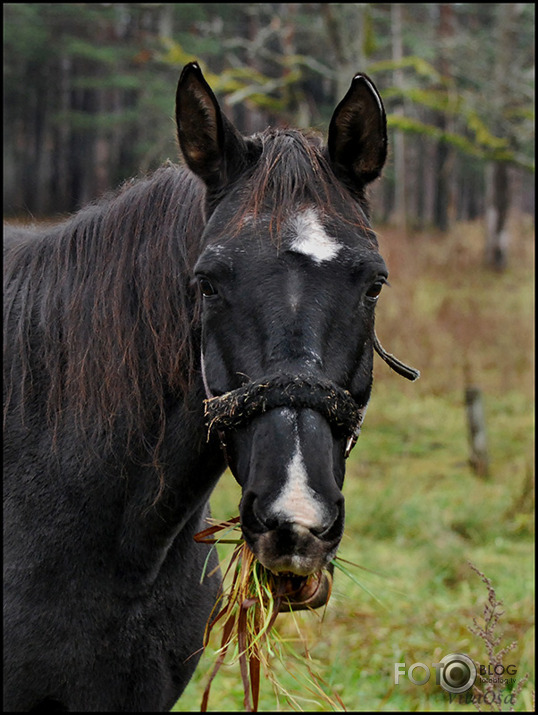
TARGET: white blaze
(298,502)
(311,239)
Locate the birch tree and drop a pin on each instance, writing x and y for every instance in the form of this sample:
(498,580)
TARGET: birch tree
(498,186)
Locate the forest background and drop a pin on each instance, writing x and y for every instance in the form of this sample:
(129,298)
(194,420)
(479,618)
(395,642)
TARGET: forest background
(89,102)
(88,92)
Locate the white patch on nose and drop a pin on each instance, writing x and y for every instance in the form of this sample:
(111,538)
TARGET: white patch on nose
(298,502)
(311,239)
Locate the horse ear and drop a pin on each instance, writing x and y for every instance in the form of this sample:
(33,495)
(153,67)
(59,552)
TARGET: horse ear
(358,134)
(210,144)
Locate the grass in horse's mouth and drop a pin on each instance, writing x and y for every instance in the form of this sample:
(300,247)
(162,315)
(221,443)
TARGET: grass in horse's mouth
(247,610)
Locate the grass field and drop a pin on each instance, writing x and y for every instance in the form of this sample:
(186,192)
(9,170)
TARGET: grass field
(415,512)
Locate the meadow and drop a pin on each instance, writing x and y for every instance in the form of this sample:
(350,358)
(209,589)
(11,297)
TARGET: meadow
(416,514)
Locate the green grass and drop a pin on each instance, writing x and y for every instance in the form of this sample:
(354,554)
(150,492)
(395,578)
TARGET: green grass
(415,512)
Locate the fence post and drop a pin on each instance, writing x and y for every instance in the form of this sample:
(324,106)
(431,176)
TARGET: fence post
(476,424)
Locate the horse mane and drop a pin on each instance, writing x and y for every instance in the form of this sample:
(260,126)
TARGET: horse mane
(101,303)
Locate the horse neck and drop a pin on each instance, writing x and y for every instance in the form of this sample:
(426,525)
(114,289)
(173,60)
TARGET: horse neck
(176,505)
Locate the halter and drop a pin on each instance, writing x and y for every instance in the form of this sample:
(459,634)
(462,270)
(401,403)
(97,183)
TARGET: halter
(410,373)
(234,409)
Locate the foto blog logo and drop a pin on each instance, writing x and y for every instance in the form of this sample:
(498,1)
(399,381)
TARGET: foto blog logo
(455,673)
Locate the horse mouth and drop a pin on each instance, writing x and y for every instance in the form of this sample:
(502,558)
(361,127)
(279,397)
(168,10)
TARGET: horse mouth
(298,593)
(291,591)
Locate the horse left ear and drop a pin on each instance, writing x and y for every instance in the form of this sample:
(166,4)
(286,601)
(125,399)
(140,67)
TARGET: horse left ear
(357,140)
(210,144)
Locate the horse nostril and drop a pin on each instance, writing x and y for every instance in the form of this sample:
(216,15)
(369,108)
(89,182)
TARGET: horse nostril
(253,516)
(331,526)
(266,521)
(318,531)
(297,526)
(334,528)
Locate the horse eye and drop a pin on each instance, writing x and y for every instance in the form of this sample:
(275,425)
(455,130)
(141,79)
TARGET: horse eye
(206,287)
(374,290)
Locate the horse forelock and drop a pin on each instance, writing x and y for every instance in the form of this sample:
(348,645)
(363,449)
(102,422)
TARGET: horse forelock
(292,173)
(99,312)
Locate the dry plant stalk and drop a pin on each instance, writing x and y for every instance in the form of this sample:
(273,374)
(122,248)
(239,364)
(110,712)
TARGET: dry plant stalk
(247,612)
(493,610)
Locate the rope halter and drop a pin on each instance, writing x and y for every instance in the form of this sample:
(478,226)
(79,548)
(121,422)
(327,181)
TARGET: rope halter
(235,409)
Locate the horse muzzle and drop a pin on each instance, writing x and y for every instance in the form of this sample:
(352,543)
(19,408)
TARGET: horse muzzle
(293,549)
(286,443)
(290,466)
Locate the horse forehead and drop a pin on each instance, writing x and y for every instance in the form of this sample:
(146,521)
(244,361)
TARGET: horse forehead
(309,236)
(309,231)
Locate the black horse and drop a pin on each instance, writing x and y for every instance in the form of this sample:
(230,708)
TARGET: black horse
(247,283)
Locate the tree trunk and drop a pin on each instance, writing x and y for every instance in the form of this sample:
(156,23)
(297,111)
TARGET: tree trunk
(497,207)
(398,150)
(444,159)
(498,192)
(476,423)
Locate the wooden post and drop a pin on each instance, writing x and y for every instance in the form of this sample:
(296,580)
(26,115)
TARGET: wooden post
(476,424)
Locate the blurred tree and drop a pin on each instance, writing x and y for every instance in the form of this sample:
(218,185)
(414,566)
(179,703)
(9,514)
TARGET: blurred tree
(498,189)
(75,89)
(400,183)
(445,120)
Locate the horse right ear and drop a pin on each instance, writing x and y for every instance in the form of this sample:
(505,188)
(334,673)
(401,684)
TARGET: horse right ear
(212,147)
(357,139)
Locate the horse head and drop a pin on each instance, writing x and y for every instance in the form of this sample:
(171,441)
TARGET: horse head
(289,274)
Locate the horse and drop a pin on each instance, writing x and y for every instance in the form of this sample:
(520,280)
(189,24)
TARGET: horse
(215,313)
